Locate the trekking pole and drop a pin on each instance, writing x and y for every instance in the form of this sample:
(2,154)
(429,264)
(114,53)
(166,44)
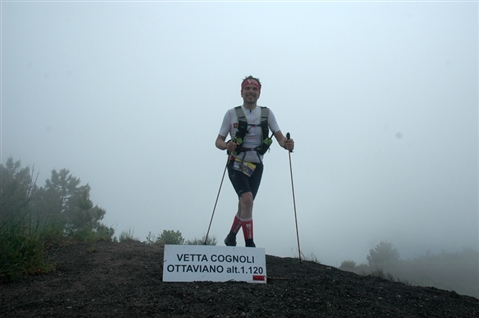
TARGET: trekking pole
(294,201)
(217,196)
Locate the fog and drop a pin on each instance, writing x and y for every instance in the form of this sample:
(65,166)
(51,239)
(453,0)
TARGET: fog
(380,97)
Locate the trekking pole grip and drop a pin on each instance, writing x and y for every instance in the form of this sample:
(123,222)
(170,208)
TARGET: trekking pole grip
(288,136)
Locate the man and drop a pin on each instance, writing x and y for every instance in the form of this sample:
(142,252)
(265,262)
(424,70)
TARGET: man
(248,126)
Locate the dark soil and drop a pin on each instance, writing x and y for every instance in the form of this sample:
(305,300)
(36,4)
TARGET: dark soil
(125,280)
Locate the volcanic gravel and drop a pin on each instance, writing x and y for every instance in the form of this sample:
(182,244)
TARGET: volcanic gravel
(108,279)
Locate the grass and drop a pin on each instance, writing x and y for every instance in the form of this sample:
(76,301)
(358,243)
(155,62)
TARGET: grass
(24,249)
(128,236)
(26,245)
(311,257)
(380,273)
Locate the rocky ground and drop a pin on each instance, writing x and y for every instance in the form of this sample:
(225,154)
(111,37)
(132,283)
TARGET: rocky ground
(125,280)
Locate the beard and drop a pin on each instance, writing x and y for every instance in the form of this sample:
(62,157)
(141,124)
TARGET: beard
(250,99)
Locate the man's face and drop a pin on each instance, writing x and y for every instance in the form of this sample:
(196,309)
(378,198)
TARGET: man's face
(250,94)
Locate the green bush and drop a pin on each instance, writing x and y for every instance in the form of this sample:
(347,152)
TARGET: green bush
(128,236)
(171,237)
(25,249)
(33,220)
(176,238)
(348,265)
(383,253)
(202,241)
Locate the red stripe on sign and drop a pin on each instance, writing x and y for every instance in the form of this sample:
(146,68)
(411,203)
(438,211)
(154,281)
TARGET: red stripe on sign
(258,277)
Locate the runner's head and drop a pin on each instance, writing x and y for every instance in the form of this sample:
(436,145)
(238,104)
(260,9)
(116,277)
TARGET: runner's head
(250,80)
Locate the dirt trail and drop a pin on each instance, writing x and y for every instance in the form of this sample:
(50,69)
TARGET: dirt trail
(125,280)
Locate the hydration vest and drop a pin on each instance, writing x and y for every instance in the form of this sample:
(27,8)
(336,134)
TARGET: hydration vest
(243,130)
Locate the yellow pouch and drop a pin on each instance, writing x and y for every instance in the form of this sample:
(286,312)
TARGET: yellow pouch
(246,167)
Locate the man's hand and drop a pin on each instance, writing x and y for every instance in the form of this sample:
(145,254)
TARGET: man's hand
(231,146)
(289,144)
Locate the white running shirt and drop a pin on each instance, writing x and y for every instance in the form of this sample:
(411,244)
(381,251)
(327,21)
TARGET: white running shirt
(253,136)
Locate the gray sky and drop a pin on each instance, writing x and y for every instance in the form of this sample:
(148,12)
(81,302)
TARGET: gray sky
(380,97)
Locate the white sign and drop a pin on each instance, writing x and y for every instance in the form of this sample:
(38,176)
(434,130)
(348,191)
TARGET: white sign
(189,263)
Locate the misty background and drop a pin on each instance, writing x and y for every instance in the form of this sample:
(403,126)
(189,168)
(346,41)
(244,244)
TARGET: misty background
(380,97)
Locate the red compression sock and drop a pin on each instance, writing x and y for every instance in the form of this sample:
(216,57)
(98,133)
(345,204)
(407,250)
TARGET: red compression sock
(236,224)
(247,228)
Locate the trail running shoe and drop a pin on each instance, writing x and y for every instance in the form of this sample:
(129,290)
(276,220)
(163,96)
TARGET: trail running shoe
(230,240)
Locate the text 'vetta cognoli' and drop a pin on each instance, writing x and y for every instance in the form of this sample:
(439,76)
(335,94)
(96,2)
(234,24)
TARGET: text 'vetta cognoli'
(221,258)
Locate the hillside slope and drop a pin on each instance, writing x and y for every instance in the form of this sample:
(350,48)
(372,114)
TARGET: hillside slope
(125,280)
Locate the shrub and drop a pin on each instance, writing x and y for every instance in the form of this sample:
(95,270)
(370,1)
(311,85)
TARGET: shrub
(171,237)
(348,265)
(128,236)
(202,241)
(25,249)
(383,253)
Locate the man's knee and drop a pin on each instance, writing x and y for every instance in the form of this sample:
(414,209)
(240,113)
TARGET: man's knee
(246,200)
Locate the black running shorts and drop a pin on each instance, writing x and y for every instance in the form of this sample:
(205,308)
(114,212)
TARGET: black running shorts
(242,183)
